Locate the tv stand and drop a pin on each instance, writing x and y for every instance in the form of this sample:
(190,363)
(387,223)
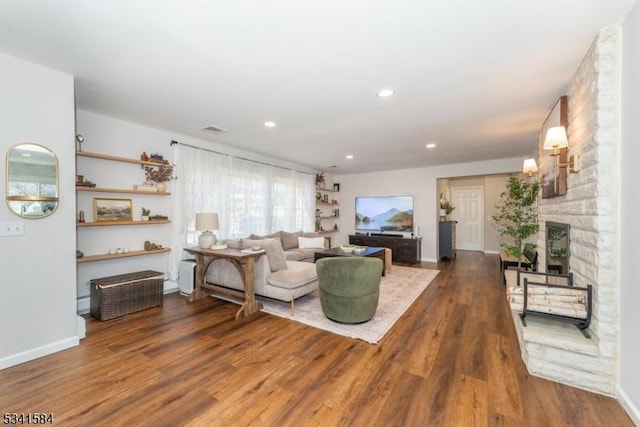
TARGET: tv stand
(402,250)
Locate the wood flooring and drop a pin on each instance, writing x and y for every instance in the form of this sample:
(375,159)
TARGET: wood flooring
(451,360)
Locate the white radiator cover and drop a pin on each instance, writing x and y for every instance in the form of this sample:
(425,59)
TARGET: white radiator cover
(187,276)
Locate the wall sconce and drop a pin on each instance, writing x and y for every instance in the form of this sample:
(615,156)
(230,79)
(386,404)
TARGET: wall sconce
(556,139)
(529,167)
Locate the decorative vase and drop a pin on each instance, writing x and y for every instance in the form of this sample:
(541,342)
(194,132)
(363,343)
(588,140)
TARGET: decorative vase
(161,186)
(145,217)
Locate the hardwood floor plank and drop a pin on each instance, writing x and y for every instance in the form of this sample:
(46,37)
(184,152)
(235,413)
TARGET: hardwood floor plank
(504,388)
(470,406)
(451,359)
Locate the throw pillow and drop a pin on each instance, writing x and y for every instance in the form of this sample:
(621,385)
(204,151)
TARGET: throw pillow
(311,242)
(275,235)
(273,249)
(234,243)
(289,240)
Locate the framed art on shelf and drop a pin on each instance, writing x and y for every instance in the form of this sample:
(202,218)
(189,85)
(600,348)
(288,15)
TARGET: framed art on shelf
(112,210)
(553,179)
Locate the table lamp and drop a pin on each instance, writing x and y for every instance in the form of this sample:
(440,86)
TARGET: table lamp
(206,222)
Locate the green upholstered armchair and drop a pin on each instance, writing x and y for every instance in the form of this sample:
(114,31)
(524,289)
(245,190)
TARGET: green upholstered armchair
(349,287)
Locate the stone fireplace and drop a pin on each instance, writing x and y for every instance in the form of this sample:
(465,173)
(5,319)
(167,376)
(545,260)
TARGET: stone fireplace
(588,216)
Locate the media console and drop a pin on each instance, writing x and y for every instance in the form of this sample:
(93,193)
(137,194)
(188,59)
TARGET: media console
(402,250)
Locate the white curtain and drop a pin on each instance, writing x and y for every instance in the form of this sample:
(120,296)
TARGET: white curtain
(249,197)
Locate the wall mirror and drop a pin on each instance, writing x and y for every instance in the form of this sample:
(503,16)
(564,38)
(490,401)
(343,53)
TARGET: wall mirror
(557,241)
(32,180)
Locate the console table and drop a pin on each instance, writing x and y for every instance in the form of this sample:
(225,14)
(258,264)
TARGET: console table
(243,262)
(402,250)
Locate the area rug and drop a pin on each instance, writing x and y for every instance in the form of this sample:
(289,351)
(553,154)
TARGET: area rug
(398,290)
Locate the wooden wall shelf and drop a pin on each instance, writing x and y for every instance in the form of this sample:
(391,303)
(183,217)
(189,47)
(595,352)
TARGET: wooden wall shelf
(91,258)
(120,190)
(112,223)
(117,158)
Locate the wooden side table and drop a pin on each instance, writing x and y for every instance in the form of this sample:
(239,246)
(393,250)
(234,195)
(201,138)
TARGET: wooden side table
(243,262)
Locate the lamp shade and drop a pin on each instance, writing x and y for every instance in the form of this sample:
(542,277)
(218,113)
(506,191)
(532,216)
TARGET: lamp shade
(206,221)
(556,138)
(529,166)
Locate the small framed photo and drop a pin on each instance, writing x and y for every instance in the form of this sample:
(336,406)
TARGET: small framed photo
(112,210)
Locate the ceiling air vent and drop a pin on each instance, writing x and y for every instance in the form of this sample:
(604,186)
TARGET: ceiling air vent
(214,129)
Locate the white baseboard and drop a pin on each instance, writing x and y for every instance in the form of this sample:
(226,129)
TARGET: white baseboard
(629,407)
(35,353)
(84,303)
(428,260)
(492,252)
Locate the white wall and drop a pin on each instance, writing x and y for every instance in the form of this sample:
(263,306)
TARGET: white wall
(38,293)
(629,208)
(420,183)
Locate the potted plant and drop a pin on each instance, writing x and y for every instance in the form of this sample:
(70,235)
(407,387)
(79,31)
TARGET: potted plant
(446,208)
(145,214)
(517,217)
(159,175)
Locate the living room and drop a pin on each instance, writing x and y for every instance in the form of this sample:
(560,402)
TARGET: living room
(43,282)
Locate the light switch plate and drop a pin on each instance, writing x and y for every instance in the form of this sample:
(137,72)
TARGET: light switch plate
(11,228)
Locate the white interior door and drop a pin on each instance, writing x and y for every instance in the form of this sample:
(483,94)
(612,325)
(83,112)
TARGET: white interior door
(469,213)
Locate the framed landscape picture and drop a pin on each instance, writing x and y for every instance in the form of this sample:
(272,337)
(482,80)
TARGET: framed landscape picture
(112,210)
(553,180)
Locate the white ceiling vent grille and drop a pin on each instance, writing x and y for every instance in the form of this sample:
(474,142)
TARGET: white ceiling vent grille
(214,129)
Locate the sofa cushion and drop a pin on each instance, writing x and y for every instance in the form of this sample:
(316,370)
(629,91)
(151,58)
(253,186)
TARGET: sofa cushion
(273,249)
(275,235)
(294,277)
(311,242)
(234,243)
(289,240)
(299,254)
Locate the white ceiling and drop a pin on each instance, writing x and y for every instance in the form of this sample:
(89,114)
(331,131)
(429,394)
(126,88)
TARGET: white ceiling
(476,78)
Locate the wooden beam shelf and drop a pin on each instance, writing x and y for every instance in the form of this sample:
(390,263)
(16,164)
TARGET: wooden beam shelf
(103,257)
(120,190)
(111,223)
(117,158)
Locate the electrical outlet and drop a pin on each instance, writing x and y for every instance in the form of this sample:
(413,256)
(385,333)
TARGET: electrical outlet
(11,228)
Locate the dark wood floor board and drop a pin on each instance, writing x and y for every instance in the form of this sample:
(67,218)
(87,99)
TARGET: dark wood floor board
(407,402)
(470,402)
(452,359)
(505,396)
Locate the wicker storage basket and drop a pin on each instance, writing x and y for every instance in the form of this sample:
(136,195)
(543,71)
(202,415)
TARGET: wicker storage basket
(115,296)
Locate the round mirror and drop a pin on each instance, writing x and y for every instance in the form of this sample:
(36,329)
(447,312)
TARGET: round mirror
(32,180)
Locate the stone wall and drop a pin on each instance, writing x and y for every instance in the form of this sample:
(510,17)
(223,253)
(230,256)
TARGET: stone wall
(590,207)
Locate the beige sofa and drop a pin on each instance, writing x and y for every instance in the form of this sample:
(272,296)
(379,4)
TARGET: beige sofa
(291,244)
(277,275)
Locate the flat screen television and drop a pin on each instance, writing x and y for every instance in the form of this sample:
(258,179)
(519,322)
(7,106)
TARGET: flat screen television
(384,213)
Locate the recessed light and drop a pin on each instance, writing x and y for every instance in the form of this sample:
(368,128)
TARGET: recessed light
(349,156)
(385,93)
(430,145)
(270,124)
